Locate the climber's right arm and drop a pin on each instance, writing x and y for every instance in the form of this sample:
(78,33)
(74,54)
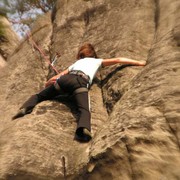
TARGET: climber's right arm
(53,79)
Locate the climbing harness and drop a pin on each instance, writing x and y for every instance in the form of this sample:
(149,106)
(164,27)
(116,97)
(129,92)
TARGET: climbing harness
(77,91)
(80,73)
(80,90)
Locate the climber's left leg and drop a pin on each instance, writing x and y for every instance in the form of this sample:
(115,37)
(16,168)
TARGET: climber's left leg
(84,121)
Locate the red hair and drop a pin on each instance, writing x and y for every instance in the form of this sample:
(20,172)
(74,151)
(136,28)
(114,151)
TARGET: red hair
(87,50)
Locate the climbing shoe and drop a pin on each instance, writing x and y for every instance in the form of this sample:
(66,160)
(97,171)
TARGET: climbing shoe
(21,113)
(83,135)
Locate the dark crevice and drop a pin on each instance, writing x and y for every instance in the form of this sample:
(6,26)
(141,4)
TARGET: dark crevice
(53,13)
(156,23)
(173,132)
(112,73)
(116,96)
(130,161)
(176,34)
(64,167)
(86,17)
(157,14)
(161,109)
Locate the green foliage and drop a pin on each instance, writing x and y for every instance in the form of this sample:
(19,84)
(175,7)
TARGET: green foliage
(2,28)
(2,32)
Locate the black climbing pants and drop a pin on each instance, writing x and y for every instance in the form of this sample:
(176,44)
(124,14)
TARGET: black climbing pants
(68,84)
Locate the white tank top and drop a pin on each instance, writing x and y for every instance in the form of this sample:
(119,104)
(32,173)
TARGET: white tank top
(89,66)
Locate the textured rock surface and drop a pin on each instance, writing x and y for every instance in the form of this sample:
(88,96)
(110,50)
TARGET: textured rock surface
(8,40)
(135,110)
(2,62)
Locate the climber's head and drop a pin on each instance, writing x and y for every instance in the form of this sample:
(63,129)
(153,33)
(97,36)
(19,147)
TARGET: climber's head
(87,50)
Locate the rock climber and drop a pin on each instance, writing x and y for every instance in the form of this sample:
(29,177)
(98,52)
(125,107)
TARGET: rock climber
(76,81)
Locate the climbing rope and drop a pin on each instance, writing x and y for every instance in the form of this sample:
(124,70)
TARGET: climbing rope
(34,44)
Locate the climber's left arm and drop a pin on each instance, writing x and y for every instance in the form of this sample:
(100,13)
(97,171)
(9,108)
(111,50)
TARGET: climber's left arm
(122,60)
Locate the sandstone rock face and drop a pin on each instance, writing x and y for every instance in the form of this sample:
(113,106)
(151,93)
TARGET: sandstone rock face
(2,62)
(8,40)
(135,110)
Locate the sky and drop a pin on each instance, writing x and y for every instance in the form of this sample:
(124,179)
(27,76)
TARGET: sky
(16,20)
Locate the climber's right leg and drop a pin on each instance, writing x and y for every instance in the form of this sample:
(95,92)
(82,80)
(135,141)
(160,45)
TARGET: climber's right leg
(46,94)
